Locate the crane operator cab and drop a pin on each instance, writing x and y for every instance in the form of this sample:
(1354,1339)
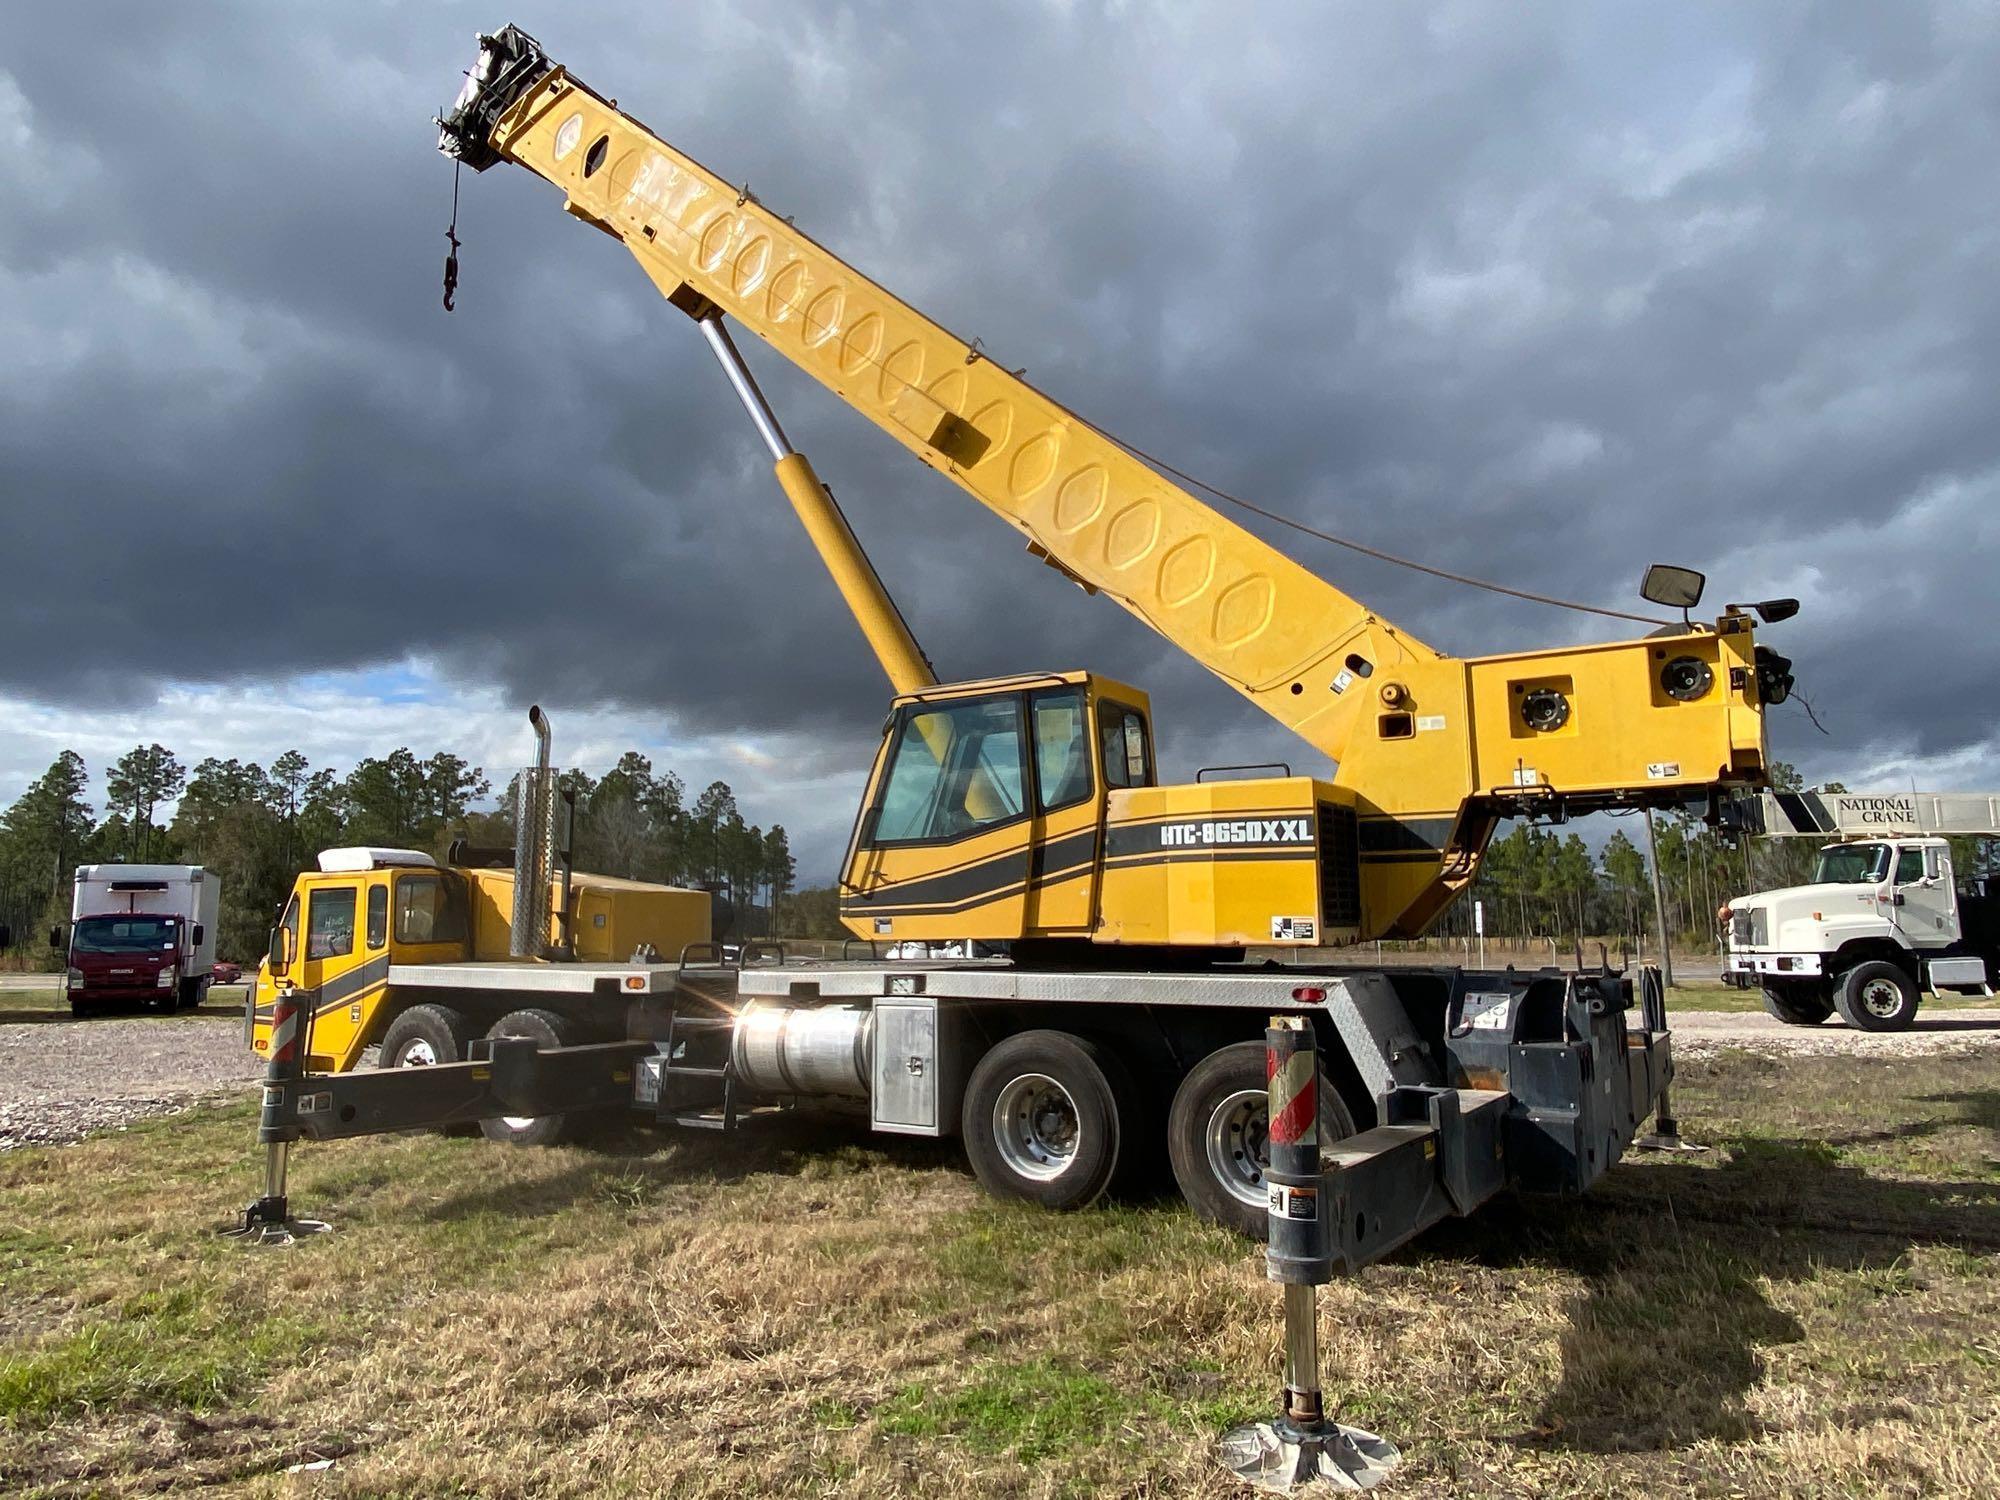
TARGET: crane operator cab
(1028,808)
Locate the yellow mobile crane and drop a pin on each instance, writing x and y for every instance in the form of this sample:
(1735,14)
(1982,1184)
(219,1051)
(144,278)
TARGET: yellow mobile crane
(1124,1016)
(1028,809)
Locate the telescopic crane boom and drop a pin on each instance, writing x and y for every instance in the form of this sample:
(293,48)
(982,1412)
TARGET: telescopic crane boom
(976,823)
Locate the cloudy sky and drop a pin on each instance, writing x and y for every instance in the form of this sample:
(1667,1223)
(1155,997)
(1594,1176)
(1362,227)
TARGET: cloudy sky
(1537,292)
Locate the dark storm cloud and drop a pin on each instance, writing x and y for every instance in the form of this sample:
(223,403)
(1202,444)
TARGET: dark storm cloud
(1540,293)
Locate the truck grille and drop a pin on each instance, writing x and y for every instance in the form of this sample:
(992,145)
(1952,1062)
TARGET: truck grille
(1339,867)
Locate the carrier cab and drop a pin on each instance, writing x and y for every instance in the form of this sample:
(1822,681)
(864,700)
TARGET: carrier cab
(374,932)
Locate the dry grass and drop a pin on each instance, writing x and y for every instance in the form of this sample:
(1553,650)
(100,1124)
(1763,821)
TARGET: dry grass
(1813,1309)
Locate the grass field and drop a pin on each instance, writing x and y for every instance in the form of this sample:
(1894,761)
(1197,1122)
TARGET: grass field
(1813,1308)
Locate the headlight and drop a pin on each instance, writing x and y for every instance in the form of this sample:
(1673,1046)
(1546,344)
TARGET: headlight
(1544,709)
(76,979)
(1687,678)
(166,979)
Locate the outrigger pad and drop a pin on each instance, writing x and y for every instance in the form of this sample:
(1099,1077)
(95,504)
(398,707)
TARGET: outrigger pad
(268,1221)
(1281,1456)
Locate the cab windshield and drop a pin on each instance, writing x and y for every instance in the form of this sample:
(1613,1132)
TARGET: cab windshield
(1853,864)
(123,934)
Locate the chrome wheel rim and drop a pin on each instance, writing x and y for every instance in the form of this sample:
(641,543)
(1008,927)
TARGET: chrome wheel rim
(1239,1144)
(417,1053)
(1882,997)
(1035,1127)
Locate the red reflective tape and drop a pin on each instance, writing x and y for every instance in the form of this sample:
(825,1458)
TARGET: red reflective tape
(1294,1102)
(1294,1125)
(284,1030)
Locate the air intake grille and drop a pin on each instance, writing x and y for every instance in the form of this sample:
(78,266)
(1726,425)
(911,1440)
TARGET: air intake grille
(1339,867)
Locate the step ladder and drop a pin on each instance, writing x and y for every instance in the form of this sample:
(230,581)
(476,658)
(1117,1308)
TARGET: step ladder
(691,1047)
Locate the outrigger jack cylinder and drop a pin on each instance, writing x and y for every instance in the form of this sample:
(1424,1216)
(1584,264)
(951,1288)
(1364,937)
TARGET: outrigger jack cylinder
(1303,1444)
(269,1221)
(1666,1134)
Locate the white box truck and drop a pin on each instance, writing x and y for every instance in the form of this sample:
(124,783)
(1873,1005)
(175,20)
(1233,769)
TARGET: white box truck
(140,934)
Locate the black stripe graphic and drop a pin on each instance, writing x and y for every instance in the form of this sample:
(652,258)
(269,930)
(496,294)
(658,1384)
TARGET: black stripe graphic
(984,880)
(338,991)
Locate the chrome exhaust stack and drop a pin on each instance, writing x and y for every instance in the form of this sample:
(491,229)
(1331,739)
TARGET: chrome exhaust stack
(535,848)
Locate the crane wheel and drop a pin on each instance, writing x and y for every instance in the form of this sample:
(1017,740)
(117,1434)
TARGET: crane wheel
(1797,1004)
(1877,996)
(425,1036)
(1044,1119)
(1217,1135)
(549,1030)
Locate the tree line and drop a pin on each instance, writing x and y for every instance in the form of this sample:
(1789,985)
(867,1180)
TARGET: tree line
(257,826)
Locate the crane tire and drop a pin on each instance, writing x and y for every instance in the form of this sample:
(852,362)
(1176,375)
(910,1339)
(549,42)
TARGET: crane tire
(1216,1135)
(1877,996)
(425,1036)
(1796,1005)
(1044,1119)
(549,1029)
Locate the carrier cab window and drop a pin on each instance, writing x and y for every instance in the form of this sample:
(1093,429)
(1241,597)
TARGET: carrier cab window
(955,769)
(1062,748)
(378,915)
(428,910)
(1127,757)
(1909,866)
(330,922)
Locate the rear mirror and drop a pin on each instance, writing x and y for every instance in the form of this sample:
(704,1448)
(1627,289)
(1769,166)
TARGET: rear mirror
(1677,588)
(6,936)
(196,939)
(55,937)
(280,959)
(1770,611)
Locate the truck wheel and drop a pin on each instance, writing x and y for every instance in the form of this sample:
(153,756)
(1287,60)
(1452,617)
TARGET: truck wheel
(193,992)
(1877,996)
(425,1036)
(1044,1118)
(1796,1005)
(548,1031)
(1218,1135)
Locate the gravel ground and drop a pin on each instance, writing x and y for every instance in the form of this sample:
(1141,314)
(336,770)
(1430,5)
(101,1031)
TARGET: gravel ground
(62,1080)
(1697,1032)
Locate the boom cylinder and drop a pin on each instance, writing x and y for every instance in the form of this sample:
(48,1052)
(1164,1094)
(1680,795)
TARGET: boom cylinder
(853,574)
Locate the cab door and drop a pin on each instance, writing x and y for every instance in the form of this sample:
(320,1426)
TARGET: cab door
(1926,907)
(1064,857)
(343,956)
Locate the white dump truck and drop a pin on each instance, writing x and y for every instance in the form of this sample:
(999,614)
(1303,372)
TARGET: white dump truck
(1885,917)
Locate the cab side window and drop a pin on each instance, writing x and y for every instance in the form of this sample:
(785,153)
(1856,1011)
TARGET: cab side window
(1127,757)
(378,915)
(428,910)
(1909,866)
(1062,749)
(330,922)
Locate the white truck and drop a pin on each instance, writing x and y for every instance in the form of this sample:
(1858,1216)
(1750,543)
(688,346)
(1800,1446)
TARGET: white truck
(1883,919)
(140,935)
